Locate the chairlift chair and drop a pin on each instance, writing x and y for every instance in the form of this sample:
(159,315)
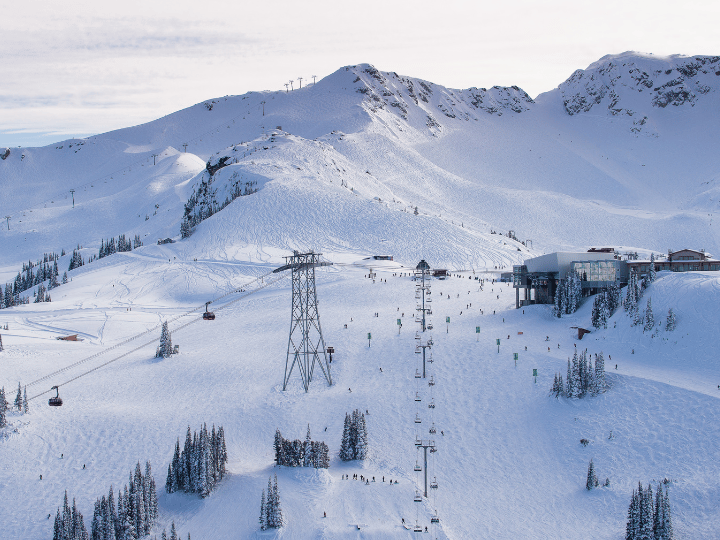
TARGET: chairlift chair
(417,396)
(57,400)
(434,484)
(430,326)
(417,467)
(417,419)
(417,528)
(431,405)
(417,374)
(431,382)
(433,431)
(208,315)
(418,497)
(435,519)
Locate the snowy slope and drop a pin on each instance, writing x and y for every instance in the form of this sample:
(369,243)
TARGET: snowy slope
(509,463)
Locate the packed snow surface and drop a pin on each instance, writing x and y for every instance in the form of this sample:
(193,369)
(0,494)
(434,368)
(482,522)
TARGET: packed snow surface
(509,462)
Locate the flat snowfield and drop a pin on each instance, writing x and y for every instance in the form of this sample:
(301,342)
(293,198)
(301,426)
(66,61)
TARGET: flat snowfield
(509,463)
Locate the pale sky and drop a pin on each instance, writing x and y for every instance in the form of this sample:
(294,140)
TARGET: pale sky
(77,68)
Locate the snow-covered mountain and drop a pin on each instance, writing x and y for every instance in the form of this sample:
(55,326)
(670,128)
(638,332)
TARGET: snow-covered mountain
(620,153)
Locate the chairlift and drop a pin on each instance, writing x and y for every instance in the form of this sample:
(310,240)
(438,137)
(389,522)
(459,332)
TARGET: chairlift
(417,467)
(433,431)
(417,396)
(433,449)
(417,374)
(57,400)
(435,519)
(430,326)
(208,315)
(417,528)
(431,405)
(417,419)
(418,497)
(434,484)
(418,441)
(431,382)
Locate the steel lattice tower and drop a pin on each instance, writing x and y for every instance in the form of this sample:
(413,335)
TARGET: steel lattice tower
(306,345)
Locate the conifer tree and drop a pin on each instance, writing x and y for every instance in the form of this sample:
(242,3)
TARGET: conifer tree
(592,481)
(18,398)
(278,446)
(269,506)
(362,442)
(631,528)
(652,273)
(277,508)
(165,350)
(649,318)
(1,345)
(670,323)
(308,456)
(3,408)
(600,383)
(346,452)
(646,515)
(64,278)
(263,512)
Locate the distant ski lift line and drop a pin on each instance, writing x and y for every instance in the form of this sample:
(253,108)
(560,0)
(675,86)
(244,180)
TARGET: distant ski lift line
(155,328)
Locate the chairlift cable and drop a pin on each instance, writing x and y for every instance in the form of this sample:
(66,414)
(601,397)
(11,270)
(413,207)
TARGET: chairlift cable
(266,284)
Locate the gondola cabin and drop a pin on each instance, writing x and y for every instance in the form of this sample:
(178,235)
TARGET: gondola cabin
(57,400)
(208,315)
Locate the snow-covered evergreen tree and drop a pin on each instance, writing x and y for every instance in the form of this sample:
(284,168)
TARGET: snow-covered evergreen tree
(18,398)
(662,523)
(263,512)
(25,404)
(308,457)
(600,383)
(361,445)
(165,350)
(1,345)
(649,318)
(592,481)
(3,408)
(347,453)
(670,323)
(64,278)
(652,274)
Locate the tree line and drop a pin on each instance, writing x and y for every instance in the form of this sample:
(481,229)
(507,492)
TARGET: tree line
(200,466)
(300,454)
(582,378)
(133,517)
(649,519)
(271,516)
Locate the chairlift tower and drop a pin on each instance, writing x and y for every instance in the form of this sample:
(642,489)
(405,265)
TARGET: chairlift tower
(306,346)
(421,291)
(425,444)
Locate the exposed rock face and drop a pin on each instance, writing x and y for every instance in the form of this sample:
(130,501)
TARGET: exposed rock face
(414,97)
(614,80)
